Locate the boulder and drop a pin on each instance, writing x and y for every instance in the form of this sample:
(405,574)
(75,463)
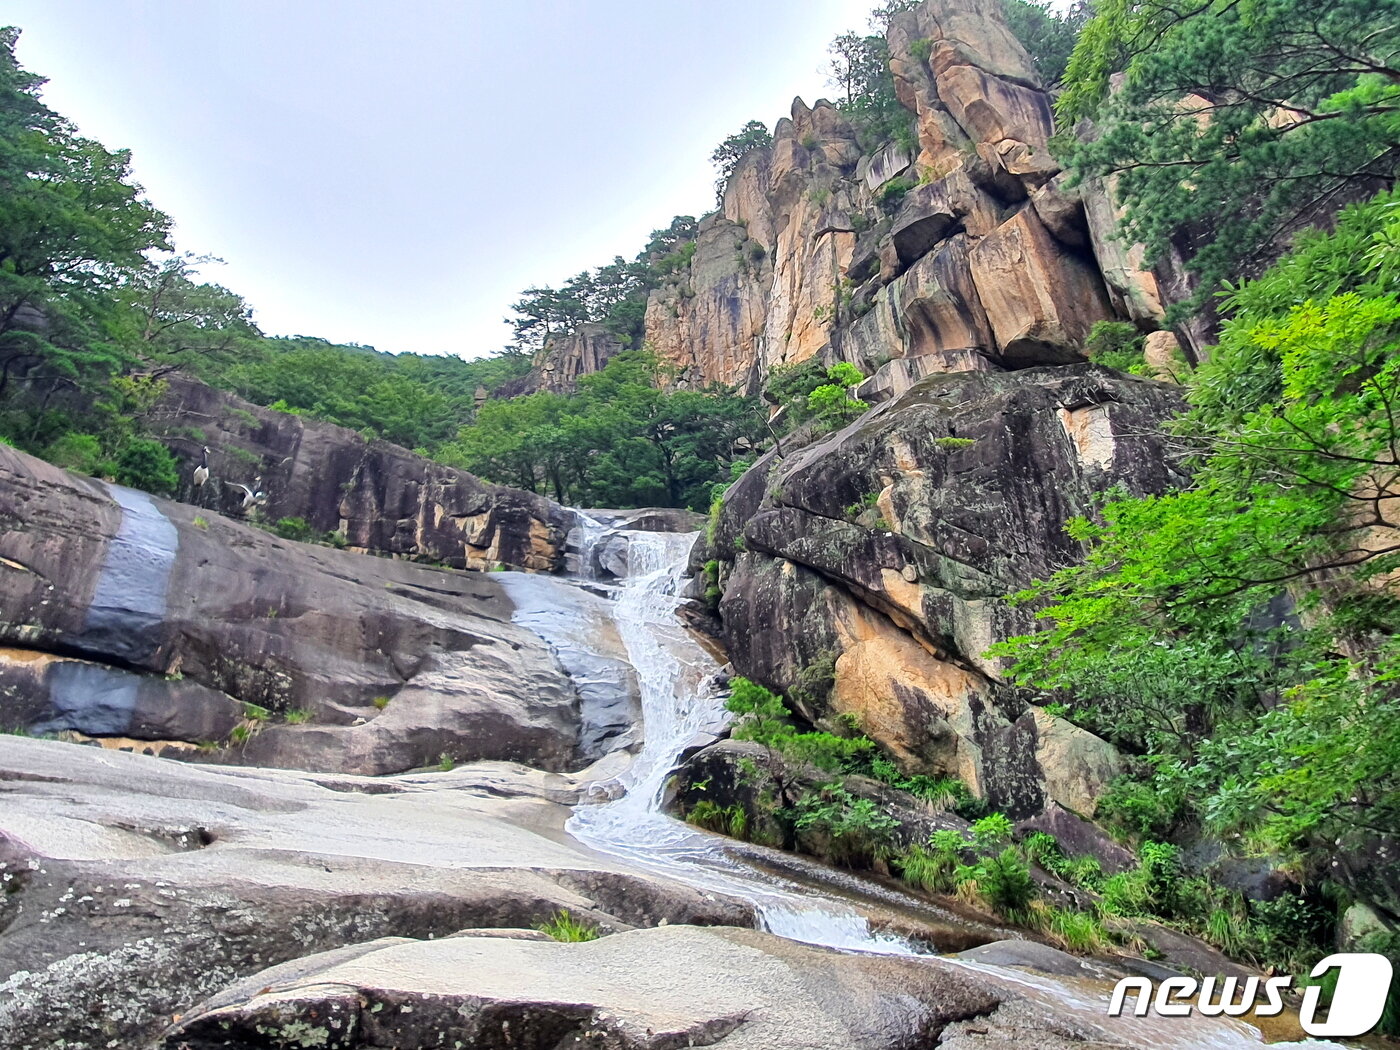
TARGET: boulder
(924,218)
(745,989)
(1164,357)
(1041,299)
(180,618)
(888,552)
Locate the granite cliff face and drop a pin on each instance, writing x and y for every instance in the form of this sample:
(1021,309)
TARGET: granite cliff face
(869,571)
(382,498)
(968,252)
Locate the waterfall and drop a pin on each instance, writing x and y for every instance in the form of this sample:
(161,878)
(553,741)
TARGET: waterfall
(680,705)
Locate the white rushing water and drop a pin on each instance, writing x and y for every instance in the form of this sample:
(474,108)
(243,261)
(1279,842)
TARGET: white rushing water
(680,704)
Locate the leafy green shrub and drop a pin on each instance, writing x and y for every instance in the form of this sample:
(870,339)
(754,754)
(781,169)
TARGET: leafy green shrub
(1116,344)
(564,926)
(992,832)
(295,529)
(1142,809)
(1004,882)
(854,828)
(921,48)
(80,452)
(381,702)
(296,716)
(144,463)
(446,763)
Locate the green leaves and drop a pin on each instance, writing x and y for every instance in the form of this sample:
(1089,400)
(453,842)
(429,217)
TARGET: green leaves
(1234,121)
(1242,632)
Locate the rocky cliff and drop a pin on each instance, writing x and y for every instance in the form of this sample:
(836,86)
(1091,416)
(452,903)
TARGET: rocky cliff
(868,572)
(966,252)
(381,498)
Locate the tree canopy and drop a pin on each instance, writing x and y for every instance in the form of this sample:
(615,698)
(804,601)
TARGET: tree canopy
(623,440)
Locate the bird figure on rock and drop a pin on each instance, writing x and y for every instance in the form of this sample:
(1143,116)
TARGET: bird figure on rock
(252,497)
(201,472)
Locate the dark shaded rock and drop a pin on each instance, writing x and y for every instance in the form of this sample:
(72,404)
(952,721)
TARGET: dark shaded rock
(45,694)
(149,587)
(1078,837)
(924,218)
(887,552)
(381,497)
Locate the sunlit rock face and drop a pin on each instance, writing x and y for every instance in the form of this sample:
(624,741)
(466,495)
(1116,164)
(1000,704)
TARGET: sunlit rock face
(888,551)
(968,251)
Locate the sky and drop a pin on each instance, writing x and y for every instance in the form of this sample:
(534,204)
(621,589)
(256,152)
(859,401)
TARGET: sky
(395,174)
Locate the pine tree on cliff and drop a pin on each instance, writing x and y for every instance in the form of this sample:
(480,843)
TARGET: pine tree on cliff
(1234,121)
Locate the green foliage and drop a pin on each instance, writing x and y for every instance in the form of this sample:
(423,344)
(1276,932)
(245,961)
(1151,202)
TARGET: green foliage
(145,463)
(1281,734)
(852,830)
(992,832)
(830,404)
(1078,931)
(1004,882)
(893,192)
(623,440)
(296,716)
(952,444)
(1234,120)
(80,452)
(1116,344)
(381,702)
(613,296)
(294,529)
(73,230)
(446,763)
(859,67)
(753,135)
(730,820)
(1047,34)
(565,926)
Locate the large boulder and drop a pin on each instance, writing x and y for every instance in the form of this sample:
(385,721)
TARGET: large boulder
(739,988)
(1041,299)
(132,617)
(888,552)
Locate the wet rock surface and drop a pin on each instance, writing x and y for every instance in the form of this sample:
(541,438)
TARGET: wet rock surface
(178,618)
(135,887)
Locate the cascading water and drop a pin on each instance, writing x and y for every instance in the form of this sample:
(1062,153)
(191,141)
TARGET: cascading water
(680,704)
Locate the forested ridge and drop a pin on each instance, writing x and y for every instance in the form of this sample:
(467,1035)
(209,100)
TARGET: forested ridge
(1235,638)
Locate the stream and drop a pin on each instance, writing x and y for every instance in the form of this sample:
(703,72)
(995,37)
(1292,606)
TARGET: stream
(680,704)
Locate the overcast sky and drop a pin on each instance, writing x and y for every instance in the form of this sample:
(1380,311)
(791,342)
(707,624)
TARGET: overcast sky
(394,174)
